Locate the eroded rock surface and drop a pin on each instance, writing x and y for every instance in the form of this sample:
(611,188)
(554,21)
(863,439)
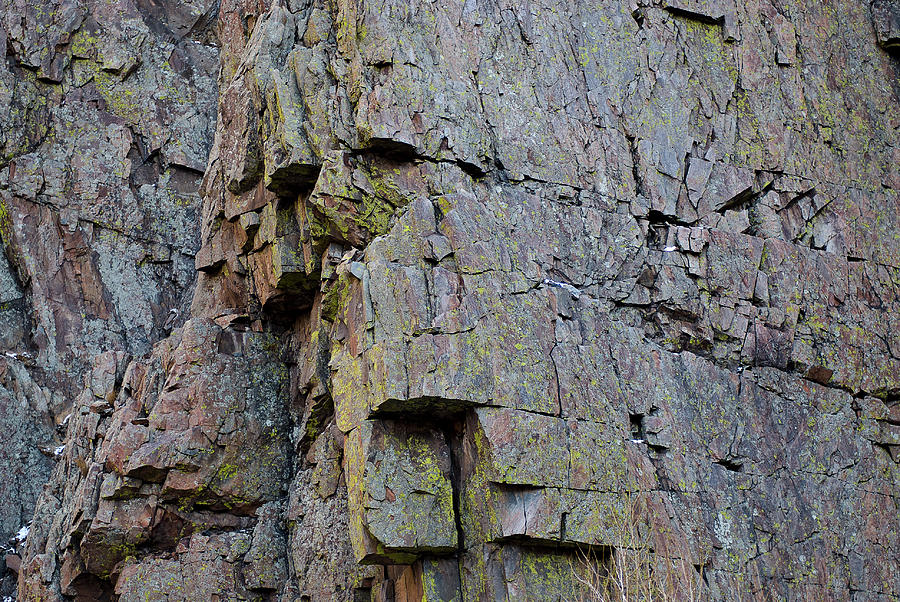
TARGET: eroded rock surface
(106,119)
(488,295)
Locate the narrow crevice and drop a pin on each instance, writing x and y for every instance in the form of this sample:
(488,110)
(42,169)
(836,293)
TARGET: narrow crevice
(390,149)
(658,218)
(453,433)
(638,15)
(640,188)
(731,465)
(694,16)
(744,197)
(636,422)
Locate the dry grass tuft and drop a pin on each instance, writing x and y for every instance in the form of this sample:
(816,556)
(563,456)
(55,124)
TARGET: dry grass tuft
(634,572)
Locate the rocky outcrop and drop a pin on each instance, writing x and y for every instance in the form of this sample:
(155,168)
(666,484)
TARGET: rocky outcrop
(160,453)
(488,297)
(106,117)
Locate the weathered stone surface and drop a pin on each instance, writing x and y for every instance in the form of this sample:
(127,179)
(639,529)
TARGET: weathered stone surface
(886,19)
(489,297)
(400,492)
(28,444)
(106,120)
(322,563)
(193,438)
(100,210)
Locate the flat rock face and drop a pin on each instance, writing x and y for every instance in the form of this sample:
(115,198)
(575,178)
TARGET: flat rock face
(460,301)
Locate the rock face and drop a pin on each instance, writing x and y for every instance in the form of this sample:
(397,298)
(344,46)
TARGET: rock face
(107,112)
(473,301)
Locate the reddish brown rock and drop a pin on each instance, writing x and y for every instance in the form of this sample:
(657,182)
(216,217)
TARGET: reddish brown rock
(490,299)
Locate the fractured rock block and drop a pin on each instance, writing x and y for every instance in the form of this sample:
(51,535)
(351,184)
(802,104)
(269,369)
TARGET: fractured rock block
(524,448)
(359,197)
(597,457)
(116,530)
(886,19)
(289,160)
(266,566)
(283,264)
(213,433)
(202,568)
(553,515)
(212,255)
(540,574)
(400,493)
(531,512)
(429,580)
(287,262)
(240,147)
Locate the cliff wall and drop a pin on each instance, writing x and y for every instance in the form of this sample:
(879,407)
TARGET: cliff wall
(345,300)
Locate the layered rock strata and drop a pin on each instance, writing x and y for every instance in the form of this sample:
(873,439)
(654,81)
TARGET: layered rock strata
(488,295)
